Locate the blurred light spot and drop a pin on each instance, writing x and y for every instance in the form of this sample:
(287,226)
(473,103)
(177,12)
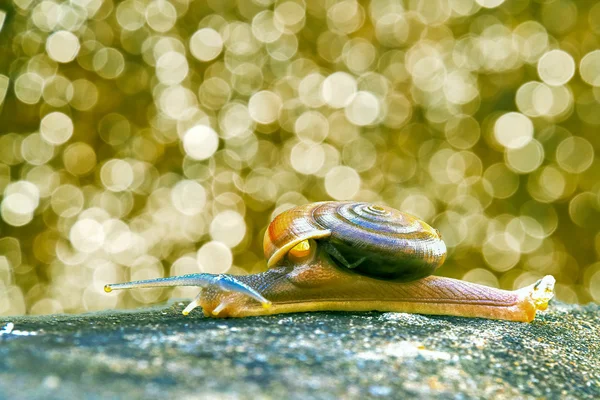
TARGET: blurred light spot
(109,63)
(419,205)
(5,272)
(2,19)
(536,99)
(531,39)
(214,93)
(452,226)
(56,128)
(114,129)
(247,79)
(214,258)
(587,107)
(574,154)
(342,183)
(85,95)
(392,29)
(513,130)
(363,109)
(130,14)
(58,91)
(428,73)
(4,176)
(339,89)
(118,237)
(504,183)
(307,158)
(4,80)
(45,15)
(331,159)
(79,158)
(584,210)
(67,201)
(265,27)
(544,214)
(178,102)
(10,148)
(594,18)
(501,252)
(264,107)
(462,131)
(200,142)
(594,286)
(460,87)
(62,46)
(20,200)
(359,54)
(172,68)
(489,3)
(360,154)
(345,16)
(240,40)
(161,15)
(188,197)
(235,120)
(87,235)
(116,175)
(399,110)
(445,167)
(28,87)
(525,159)
(312,126)
(228,227)
(46,306)
(330,45)
(36,150)
(45,178)
(309,90)
(547,184)
(556,67)
(482,276)
(291,14)
(559,17)
(283,48)
(589,68)
(185,265)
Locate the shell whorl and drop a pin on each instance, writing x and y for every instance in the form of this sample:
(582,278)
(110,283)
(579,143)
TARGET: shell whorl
(394,244)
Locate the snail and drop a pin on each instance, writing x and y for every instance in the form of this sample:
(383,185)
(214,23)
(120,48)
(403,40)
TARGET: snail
(352,256)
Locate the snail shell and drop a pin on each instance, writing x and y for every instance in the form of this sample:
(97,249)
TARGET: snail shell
(397,245)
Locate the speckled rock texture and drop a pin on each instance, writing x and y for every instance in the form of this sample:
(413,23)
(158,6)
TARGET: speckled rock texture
(159,354)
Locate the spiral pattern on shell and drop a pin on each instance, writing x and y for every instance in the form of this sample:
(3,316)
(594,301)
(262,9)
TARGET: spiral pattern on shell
(376,240)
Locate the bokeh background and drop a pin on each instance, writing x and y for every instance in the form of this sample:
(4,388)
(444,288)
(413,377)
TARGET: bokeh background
(146,138)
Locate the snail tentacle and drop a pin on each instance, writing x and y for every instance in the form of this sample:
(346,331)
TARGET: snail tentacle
(227,283)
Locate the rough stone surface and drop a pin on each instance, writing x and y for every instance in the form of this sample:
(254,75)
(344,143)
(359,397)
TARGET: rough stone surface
(158,353)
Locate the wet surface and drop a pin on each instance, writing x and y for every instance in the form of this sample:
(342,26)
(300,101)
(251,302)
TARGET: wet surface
(158,353)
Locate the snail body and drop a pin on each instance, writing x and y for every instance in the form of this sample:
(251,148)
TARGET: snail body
(349,256)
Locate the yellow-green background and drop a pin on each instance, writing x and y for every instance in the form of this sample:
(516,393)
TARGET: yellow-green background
(145,138)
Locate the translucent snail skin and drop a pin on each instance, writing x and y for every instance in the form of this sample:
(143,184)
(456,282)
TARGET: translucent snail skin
(351,256)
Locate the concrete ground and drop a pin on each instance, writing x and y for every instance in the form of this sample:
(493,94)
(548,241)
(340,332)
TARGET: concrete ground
(158,353)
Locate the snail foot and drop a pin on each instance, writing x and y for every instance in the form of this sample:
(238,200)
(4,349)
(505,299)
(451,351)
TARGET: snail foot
(195,303)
